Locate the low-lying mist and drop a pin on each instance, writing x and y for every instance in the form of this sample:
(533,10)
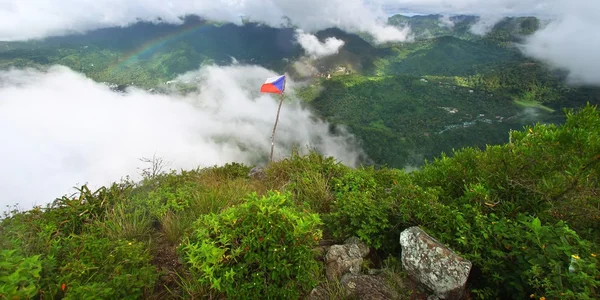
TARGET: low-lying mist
(60,129)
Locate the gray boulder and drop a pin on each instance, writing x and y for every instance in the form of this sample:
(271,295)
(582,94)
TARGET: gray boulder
(434,265)
(347,258)
(257,173)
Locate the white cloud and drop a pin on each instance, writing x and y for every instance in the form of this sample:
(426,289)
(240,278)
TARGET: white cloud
(40,18)
(60,129)
(571,42)
(316,49)
(445,21)
(485,24)
(473,7)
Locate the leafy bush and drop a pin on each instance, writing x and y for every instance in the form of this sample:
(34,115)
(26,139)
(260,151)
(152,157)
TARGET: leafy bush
(375,204)
(72,214)
(548,170)
(308,177)
(19,276)
(521,257)
(512,257)
(171,192)
(232,171)
(259,249)
(91,266)
(357,210)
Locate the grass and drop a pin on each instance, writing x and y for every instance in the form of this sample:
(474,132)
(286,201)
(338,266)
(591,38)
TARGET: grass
(124,221)
(525,103)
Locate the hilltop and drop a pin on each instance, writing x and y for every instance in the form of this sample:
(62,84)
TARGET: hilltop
(524,212)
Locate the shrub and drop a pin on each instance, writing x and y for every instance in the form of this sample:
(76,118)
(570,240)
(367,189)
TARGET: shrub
(231,171)
(91,266)
(368,205)
(72,214)
(547,170)
(357,210)
(19,276)
(522,257)
(170,192)
(260,249)
(512,257)
(308,177)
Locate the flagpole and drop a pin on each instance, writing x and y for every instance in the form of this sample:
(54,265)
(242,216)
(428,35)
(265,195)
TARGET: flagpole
(275,127)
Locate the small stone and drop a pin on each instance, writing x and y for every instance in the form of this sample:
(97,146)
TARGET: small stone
(347,258)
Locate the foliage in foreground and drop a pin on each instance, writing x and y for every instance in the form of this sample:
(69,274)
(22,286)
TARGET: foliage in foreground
(525,213)
(506,209)
(261,249)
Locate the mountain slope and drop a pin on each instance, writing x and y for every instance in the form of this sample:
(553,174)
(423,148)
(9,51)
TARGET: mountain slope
(403,119)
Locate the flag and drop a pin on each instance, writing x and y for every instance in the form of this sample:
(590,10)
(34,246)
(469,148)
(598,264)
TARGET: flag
(274,85)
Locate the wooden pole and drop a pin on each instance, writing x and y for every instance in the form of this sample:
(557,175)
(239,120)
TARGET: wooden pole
(275,127)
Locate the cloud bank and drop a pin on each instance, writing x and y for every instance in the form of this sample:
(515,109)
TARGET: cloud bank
(40,18)
(472,7)
(571,42)
(314,48)
(60,129)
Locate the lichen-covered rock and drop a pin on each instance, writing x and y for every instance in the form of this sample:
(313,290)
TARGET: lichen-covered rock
(434,265)
(347,258)
(257,173)
(364,250)
(368,287)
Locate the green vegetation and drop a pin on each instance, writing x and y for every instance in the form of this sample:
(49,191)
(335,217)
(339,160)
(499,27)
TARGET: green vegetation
(524,212)
(262,248)
(445,56)
(403,119)
(468,93)
(508,29)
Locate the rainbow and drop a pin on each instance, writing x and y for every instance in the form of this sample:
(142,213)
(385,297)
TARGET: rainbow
(154,44)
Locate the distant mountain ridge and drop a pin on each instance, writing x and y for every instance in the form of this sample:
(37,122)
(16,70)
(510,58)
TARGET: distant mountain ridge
(436,25)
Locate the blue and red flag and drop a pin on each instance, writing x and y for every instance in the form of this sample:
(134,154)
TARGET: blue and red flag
(274,85)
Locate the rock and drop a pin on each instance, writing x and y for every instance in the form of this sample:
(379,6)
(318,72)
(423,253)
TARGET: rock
(341,259)
(368,287)
(375,271)
(364,250)
(433,265)
(318,293)
(257,173)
